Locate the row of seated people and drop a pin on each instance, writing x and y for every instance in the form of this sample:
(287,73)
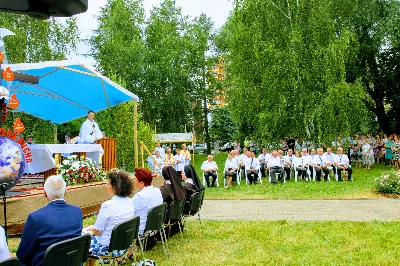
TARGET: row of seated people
(306,165)
(59,221)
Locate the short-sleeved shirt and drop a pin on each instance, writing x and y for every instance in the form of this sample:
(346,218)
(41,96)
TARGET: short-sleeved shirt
(112,212)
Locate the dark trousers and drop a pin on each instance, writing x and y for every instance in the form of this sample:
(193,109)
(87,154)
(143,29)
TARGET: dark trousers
(339,173)
(287,170)
(311,168)
(252,176)
(262,169)
(274,170)
(318,173)
(207,177)
(301,172)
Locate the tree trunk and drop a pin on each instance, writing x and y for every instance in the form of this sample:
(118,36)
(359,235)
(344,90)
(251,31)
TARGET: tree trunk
(206,131)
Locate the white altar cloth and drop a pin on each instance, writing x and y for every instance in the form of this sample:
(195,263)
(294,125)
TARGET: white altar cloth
(42,155)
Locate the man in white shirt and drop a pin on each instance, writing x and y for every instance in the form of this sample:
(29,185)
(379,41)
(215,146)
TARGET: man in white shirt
(252,166)
(160,149)
(319,163)
(210,169)
(342,164)
(275,166)
(4,252)
(90,131)
(263,158)
(330,159)
(288,163)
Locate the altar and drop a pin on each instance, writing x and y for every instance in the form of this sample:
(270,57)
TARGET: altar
(43,160)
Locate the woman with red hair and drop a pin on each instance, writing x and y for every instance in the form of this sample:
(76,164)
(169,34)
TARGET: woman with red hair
(147,197)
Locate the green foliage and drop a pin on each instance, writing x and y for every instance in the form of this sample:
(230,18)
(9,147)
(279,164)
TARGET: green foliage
(222,127)
(287,69)
(162,59)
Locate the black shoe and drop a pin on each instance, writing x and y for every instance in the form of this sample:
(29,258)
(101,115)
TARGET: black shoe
(151,243)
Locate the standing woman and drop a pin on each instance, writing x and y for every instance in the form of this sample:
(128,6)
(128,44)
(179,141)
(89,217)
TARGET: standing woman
(367,154)
(357,151)
(230,170)
(389,152)
(396,152)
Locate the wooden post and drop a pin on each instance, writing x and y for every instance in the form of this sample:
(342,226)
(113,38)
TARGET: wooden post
(55,134)
(142,151)
(135,133)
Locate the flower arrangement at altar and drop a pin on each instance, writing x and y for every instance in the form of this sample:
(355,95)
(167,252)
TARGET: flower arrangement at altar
(389,182)
(81,171)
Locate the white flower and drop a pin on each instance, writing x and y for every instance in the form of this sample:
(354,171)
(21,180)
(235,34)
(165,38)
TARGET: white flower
(74,156)
(75,165)
(65,162)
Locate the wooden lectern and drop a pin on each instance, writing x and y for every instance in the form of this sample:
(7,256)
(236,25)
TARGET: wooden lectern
(110,152)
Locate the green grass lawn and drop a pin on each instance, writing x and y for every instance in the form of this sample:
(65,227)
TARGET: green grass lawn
(284,243)
(361,188)
(281,243)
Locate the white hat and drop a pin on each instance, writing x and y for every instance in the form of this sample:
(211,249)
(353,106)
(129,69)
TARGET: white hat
(4,93)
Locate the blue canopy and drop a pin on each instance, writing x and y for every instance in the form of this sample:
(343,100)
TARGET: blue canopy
(67,90)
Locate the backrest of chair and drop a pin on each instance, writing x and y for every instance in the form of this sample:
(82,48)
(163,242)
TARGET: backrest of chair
(123,234)
(156,217)
(197,201)
(10,262)
(72,252)
(176,210)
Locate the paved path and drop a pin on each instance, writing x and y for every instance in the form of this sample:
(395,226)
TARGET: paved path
(302,210)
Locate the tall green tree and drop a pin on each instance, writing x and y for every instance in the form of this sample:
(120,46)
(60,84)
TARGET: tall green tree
(287,70)
(222,127)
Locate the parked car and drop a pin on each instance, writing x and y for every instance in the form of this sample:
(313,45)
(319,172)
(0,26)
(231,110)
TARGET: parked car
(227,146)
(198,148)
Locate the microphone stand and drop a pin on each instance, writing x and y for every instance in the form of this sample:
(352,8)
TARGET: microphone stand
(3,194)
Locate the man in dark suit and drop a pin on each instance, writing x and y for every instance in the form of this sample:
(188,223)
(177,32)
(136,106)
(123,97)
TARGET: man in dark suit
(56,222)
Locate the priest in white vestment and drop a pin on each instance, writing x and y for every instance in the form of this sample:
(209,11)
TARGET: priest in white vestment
(90,131)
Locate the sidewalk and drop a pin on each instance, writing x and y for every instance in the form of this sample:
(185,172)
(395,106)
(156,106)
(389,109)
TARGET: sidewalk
(302,210)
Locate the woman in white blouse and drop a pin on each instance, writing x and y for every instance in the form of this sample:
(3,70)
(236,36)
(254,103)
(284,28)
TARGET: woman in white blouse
(300,165)
(147,197)
(230,170)
(112,212)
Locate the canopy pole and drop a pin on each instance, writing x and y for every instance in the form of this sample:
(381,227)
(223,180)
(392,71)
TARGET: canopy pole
(193,141)
(55,134)
(135,133)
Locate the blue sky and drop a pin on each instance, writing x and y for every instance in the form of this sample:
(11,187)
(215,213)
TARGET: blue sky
(218,10)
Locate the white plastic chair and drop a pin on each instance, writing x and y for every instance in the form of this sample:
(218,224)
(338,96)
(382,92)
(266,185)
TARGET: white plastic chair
(237,178)
(205,183)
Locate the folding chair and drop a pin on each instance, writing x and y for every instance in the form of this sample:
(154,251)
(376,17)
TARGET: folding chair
(154,223)
(10,262)
(195,206)
(237,178)
(175,213)
(71,252)
(216,181)
(123,236)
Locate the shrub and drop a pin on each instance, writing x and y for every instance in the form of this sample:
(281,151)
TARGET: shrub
(388,182)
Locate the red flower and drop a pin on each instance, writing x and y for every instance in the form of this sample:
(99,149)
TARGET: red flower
(69,172)
(78,181)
